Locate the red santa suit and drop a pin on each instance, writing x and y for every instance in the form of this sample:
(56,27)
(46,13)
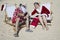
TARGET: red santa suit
(43,11)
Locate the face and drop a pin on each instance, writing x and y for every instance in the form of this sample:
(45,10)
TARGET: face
(36,6)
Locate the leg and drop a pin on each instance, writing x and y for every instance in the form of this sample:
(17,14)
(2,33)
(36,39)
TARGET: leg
(17,33)
(17,21)
(19,27)
(16,26)
(28,24)
(45,22)
(41,21)
(44,19)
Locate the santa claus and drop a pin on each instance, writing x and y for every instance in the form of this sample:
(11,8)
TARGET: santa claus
(41,16)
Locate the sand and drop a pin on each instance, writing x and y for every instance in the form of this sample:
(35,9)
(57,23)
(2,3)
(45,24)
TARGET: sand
(6,31)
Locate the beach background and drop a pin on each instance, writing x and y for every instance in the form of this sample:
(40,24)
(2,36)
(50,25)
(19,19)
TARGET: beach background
(6,31)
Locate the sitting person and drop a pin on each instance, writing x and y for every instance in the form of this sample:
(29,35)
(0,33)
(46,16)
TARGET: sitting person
(19,18)
(42,13)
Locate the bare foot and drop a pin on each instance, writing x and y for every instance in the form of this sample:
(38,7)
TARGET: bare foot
(43,27)
(47,28)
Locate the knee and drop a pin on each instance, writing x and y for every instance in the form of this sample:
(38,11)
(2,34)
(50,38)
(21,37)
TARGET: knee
(44,16)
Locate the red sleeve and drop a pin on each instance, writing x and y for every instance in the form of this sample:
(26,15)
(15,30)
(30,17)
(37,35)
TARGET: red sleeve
(34,11)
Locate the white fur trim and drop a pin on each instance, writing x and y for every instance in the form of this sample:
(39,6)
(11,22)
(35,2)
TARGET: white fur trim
(44,15)
(31,26)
